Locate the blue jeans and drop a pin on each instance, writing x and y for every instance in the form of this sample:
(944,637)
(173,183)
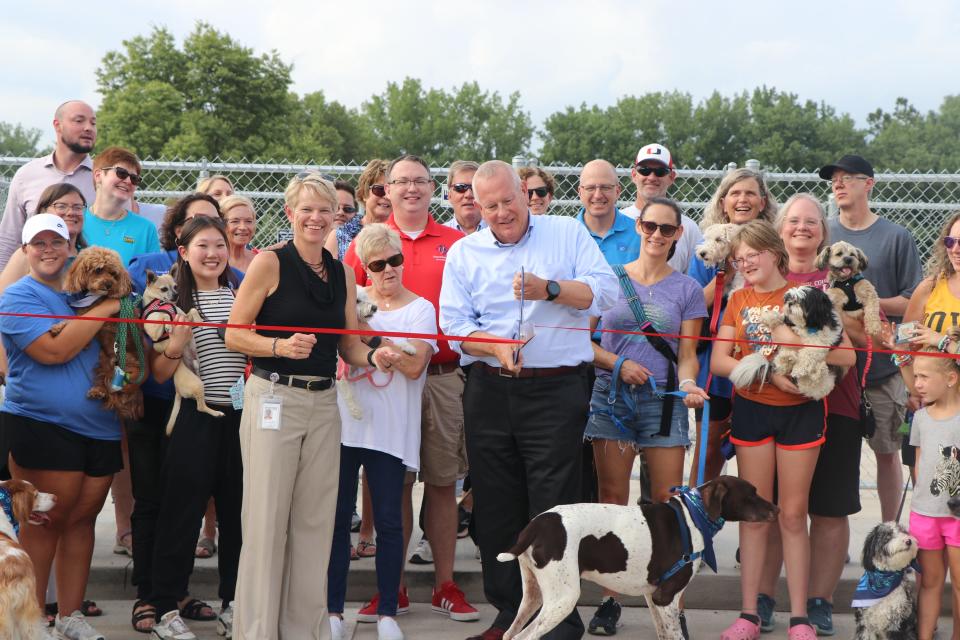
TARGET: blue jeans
(385,473)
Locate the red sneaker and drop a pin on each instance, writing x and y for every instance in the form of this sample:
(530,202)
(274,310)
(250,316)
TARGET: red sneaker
(450,600)
(368,612)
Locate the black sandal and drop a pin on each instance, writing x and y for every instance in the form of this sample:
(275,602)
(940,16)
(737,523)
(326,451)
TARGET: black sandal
(193,610)
(146,612)
(90,609)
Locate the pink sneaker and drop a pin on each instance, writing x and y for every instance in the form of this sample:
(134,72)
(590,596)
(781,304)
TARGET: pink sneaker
(742,629)
(368,612)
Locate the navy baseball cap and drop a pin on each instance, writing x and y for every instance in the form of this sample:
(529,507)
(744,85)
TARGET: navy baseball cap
(850,164)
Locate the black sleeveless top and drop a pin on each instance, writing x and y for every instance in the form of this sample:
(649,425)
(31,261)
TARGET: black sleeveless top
(302,299)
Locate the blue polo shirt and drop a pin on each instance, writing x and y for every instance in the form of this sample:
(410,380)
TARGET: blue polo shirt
(621,244)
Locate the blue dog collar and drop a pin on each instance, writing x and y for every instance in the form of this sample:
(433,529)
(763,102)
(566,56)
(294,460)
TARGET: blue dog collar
(7,504)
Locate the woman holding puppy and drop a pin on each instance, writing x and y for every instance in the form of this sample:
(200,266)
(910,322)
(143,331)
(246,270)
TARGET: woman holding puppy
(777,431)
(290,428)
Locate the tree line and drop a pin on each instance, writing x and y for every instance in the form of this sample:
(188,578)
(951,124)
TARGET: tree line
(213,97)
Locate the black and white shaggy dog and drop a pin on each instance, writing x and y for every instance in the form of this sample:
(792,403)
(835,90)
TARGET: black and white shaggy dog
(885,603)
(810,314)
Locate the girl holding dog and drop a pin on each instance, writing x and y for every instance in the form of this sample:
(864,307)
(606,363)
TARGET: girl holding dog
(777,431)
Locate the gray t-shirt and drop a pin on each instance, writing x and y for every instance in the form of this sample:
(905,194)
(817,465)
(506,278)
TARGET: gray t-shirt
(938,469)
(894,270)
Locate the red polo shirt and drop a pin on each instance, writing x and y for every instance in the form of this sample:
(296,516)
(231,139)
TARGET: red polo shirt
(423,262)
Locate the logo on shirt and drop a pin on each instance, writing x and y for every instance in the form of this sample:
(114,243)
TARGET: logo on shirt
(442,249)
(129,240)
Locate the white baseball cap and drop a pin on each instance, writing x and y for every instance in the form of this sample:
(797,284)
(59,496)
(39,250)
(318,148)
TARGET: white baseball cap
(44,222)
(655,153)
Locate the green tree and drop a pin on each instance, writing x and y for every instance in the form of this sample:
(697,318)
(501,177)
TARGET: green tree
(910,140)
(441,126)
(17,140)
(329,131)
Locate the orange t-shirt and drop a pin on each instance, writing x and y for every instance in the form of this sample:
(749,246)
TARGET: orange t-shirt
(741,314)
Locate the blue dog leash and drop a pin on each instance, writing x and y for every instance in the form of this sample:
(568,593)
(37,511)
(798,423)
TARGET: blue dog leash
(708,528)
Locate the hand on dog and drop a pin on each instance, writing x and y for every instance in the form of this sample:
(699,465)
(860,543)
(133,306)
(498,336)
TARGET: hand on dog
(695,396)
(784,383)
(534,287)
(180,335)
(634,373)
(296,347)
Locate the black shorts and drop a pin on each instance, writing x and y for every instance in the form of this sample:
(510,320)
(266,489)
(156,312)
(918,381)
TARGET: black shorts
(799,426)
(835,489)
(43,446)
(720,409)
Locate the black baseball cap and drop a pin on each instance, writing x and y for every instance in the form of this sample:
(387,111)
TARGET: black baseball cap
(850,164)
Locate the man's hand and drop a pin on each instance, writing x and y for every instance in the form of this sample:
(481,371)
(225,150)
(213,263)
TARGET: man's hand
(534,287)
(504,353)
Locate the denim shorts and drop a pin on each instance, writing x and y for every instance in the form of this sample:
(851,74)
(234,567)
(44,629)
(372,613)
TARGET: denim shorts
(638,429)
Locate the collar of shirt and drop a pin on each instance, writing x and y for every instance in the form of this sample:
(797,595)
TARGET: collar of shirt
(432,228)
(621,223)
(86,163)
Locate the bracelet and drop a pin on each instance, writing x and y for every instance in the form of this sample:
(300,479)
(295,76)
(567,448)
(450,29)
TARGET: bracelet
(901,359)
(274,347)
(685,381)
(944,342)
(374,342)
(170,357)
(370,356)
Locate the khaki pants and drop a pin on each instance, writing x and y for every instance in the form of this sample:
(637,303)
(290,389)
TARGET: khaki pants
(290,484)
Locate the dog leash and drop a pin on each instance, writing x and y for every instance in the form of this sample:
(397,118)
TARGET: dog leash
(903,497)
(126,331)
(690,498)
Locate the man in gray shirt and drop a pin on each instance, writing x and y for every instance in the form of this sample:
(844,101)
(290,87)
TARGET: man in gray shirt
(75,124)
(895,271)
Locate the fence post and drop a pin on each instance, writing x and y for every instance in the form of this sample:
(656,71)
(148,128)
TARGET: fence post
(204,170)
(519,161)
(753,164)
(730,167)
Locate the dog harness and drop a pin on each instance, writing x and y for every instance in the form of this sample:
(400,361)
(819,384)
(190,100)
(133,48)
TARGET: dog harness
(6,502)
(708,529)
(852,304)
(876,585)
(161,306)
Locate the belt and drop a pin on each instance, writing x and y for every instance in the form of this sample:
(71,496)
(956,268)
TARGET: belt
(538,372)
(442,368)
(289,381)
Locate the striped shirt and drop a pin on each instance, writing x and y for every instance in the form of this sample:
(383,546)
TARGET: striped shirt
(219,368)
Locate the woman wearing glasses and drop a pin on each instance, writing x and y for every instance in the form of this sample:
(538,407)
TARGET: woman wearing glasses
(241,219)
(386,440)
(108,223)
(741,197)
(626,413)
(540,188)
(290,427)
(376,206)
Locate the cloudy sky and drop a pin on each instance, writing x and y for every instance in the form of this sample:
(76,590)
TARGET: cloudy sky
(856,55)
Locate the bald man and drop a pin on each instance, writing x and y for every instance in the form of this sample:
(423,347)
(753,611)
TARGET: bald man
(613,232)
(75,125)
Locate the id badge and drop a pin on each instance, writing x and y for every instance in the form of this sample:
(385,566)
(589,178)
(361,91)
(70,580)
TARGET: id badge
(236,394)
(270,409)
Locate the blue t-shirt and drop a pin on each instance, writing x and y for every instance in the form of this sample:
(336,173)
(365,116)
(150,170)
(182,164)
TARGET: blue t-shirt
(54,393)
(718,386)
(129,236)
(621,244)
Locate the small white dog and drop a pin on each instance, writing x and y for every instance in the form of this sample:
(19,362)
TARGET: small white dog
(809,313)
(884,603)
(717,244)
(346,375)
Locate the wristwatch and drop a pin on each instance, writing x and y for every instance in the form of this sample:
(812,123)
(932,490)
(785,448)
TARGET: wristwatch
(553,289)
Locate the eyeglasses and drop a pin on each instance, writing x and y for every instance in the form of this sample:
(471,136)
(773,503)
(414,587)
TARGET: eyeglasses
(750,258)
(462,187)
(379,265)
(666,230)
(657,171)
(540,191)
(63,208)
(950,242)
(603,188)
(419,183)
(348,209)
(846,180)
(42,245)
(123,174)
(378,190)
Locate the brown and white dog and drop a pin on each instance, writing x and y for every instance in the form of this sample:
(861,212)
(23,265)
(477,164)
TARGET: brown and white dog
(20,503)
(716,248)
(850,292)
(631,550)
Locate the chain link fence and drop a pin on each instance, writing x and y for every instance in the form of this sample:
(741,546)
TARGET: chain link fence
(918,201)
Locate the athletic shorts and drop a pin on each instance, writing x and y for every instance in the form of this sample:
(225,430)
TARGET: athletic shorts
(933,532)
(889,400)
(799,426)
(835,489)
(47,447)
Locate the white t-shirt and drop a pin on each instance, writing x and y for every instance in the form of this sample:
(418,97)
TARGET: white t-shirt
(391,404)
(692,236)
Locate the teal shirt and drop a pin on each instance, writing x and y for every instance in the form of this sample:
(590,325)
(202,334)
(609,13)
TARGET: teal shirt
(129,236)
(621,244)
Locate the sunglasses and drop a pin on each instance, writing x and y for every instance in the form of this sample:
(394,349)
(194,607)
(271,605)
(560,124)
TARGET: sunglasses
(666,230)
(950,242)
(657,171)
(540,191)
(462,187)
(348,209)
(378,190)
(123,174)
(379,265)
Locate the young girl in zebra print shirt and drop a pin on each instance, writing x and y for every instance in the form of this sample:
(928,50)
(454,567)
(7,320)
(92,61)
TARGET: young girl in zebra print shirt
(936,435)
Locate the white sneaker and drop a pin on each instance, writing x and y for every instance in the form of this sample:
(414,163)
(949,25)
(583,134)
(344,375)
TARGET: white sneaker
(225,621)
(338,630)
(387,629)
(75,627)
(172,627)
(423,553)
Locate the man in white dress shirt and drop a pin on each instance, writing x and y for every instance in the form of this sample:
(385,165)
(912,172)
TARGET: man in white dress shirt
(524,413)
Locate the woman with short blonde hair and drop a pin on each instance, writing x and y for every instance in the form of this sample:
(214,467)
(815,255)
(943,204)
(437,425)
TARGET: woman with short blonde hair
(241,218)
(217,185)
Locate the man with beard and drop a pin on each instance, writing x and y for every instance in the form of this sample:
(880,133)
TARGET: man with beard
(75,124)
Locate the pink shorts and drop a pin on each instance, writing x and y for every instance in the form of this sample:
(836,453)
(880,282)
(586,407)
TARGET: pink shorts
(931,533)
